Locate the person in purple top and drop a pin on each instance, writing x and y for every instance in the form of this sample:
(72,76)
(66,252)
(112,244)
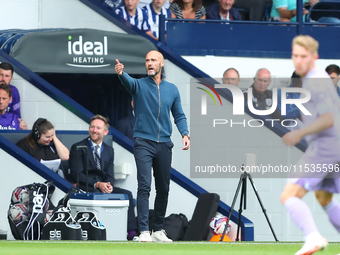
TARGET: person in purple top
(6,76)
(318,168)
(8,120)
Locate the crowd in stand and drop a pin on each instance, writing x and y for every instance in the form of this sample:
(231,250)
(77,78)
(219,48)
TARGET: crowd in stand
(262,97)
(145,15)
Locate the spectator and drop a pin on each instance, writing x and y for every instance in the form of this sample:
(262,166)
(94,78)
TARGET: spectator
(292,111)
(332,16)
(334,72)
(256,8)
(262,97)
(284,10)
(223,10)
(153,10)
(190,9)
(125,125)
(99,166)
(6,76)
(231,76)
(8,120)
(136,16)
(43,144)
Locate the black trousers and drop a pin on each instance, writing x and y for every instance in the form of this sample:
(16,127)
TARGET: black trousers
(132,223)
(157,156)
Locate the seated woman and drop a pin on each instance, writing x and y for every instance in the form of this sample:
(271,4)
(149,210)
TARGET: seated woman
(43,144)
(187,9)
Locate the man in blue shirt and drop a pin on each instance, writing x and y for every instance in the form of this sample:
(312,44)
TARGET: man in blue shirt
(136,16)
(153,99)
(8,120)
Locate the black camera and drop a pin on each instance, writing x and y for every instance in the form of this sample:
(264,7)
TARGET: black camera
(306,5)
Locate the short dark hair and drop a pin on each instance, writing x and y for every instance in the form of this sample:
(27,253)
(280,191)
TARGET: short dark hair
(100,117)
(7,89)
(333,69)
(7,66)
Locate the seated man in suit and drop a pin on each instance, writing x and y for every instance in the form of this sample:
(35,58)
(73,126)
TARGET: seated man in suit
(99,166)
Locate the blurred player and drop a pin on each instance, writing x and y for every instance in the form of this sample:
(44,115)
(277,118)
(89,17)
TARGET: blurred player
(321,130)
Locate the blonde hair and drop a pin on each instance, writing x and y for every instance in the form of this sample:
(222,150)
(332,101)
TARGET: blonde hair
(308,42)
(100,117)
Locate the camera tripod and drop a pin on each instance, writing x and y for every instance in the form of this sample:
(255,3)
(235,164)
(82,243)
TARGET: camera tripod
(243,201)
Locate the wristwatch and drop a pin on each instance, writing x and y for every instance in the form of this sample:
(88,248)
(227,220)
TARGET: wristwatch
(187,136)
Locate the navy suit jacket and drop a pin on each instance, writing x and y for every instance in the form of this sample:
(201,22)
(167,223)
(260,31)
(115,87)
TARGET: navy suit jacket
(76,161)
(214,9)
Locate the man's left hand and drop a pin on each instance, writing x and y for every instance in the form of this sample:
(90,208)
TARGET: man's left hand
(186,142)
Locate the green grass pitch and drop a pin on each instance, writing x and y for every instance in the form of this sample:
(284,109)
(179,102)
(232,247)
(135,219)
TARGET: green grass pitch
(128,248)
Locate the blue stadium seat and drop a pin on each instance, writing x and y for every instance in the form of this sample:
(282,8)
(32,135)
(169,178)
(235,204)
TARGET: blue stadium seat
(324,9)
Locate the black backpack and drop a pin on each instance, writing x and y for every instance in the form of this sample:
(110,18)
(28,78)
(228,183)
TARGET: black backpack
(175,226)
(30,209)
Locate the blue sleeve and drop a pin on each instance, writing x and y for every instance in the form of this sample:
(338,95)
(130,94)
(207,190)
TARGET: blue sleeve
(179,116)
(128,82)
(119,12)
(16,122)
(146,25)
(15,101)
(168,14)
(280,3)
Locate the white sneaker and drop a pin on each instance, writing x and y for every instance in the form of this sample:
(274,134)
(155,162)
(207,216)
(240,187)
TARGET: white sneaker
(145,237)
(314,242)
(160,237)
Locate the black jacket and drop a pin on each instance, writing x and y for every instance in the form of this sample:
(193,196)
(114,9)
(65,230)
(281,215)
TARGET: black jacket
(94,175)
(214,9)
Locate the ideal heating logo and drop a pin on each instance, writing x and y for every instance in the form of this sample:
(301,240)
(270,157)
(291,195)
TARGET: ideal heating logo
(239,102)
(87,54)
